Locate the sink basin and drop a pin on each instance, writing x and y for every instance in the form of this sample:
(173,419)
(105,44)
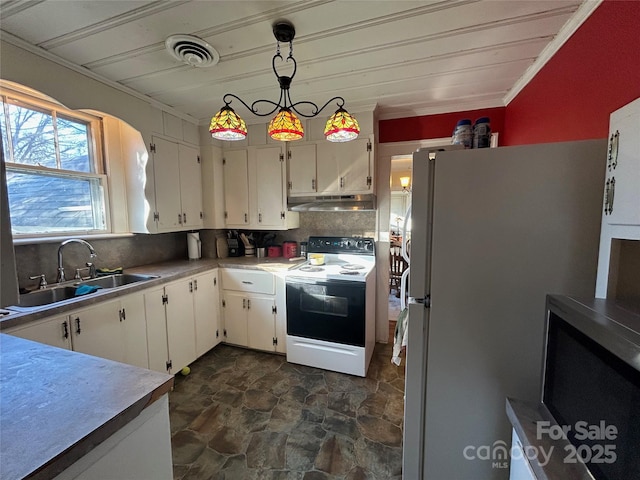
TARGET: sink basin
(117,280)
(47,296)
(51,295)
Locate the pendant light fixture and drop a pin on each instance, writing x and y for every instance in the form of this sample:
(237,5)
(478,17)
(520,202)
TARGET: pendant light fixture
(285,126)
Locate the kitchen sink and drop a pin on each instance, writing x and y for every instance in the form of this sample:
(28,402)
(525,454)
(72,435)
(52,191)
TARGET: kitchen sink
(59,293)
(46,296)
(117,280)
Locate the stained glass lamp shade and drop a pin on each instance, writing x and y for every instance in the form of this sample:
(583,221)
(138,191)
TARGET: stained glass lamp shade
(227,125)
(341,127)
(285,126)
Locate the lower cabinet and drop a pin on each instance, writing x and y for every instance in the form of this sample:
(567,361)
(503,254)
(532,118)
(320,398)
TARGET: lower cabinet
(250,309)
(182,321)
(115,330)
(54,331)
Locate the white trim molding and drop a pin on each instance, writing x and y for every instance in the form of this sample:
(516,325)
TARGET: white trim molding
(582,13)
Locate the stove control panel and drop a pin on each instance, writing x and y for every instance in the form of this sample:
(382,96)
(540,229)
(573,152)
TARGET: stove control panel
(351,245)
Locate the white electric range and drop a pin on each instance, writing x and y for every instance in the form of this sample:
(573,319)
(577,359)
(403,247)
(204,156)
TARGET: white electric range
(331,307)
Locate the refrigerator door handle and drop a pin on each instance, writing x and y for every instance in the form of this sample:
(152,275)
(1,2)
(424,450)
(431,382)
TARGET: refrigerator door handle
(426,301)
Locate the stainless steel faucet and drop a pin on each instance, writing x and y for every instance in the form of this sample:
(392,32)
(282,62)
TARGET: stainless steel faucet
(92,253)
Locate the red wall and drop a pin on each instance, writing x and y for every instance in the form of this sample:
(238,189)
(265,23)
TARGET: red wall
(435,126)
(594,73)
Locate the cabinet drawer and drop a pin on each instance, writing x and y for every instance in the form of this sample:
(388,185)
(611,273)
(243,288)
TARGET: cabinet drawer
(250,281)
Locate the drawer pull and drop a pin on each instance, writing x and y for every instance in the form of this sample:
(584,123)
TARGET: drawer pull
(247,282)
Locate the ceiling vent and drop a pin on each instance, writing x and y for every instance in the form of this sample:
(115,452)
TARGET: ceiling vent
(192,50)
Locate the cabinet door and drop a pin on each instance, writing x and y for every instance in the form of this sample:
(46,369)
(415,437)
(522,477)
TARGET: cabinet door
(234,310)
(156,329)
(205,303)
(271,197)
(55,331)
(134,330)
(302,170)
(261,322)
(166,170)
(328,168)
(181,334)
(355,168)
(97,331)
(236,188)
(623,168)
(190,187)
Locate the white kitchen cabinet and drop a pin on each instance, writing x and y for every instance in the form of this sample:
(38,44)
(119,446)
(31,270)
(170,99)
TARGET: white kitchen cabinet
(157,345)
(255,193)
(618,275)
(622,184)
(182,321)
(97,331)
(167,189)
(345,168)
(206,304)
(54,331)
(212,187)
(236,188)
(302,170)
(249,309)
(134,330)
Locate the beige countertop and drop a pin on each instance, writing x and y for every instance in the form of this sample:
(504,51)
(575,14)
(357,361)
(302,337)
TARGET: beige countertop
(165,271)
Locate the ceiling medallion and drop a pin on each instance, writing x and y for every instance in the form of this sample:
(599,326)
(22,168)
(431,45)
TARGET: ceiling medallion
(285,126)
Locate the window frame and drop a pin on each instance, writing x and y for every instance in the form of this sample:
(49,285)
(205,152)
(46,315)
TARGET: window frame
(95,145)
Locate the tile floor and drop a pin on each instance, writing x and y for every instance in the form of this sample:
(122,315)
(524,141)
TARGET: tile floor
(247,415)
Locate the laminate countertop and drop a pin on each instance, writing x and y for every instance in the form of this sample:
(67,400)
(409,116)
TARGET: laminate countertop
(165,272)
(57,405)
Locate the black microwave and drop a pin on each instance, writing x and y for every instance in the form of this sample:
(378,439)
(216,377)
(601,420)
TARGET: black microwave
(591,383)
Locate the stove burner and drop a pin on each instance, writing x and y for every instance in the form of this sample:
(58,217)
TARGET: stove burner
(348,272)
(352,266)
(311,268)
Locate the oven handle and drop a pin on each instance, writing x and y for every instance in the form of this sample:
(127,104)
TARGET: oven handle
(330,282)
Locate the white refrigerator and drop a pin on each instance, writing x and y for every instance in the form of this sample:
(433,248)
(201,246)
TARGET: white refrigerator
(493,231)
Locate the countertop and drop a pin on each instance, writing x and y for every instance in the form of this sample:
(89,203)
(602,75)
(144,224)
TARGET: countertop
(166,272)
(57,405)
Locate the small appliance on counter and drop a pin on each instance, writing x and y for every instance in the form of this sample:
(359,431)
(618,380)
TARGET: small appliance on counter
(194,245)
(274,251)
(289,249)
(236,249)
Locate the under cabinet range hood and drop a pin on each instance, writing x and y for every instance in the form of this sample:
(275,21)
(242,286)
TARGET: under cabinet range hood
(332,203)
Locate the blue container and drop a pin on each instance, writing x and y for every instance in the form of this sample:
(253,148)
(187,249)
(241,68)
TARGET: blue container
(463,134)
(482,133)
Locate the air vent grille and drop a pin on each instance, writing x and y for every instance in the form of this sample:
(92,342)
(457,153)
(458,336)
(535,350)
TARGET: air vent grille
(192,50)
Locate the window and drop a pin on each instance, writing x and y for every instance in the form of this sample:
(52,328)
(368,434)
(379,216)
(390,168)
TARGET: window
(55,177)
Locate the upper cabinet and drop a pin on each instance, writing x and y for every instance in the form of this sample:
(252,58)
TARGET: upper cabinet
(619,256)
(622,184)
(254,189)
(345,168)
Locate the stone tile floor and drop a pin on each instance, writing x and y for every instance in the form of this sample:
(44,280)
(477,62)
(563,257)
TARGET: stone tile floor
(247,415)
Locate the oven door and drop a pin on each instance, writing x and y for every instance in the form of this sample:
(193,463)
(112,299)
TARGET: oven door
(329,310)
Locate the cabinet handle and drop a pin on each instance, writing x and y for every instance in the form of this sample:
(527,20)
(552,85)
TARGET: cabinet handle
(65,329)
(246,282)
(180,218)
(612,193)
(248,303)
(244,303)
(612,157)
(123,315)
(195,285)
(190,287)
(184,218)
(215,281)
(607,187)
(246,218)
(341,182)
(259,218)
(313,184)
(78,325)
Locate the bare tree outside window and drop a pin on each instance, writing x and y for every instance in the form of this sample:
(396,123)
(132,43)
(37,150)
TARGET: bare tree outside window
(53,180)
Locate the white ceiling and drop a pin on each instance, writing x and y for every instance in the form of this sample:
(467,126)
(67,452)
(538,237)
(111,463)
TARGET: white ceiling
(407,57)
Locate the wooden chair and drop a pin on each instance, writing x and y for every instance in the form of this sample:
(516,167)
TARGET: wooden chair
(397,265)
